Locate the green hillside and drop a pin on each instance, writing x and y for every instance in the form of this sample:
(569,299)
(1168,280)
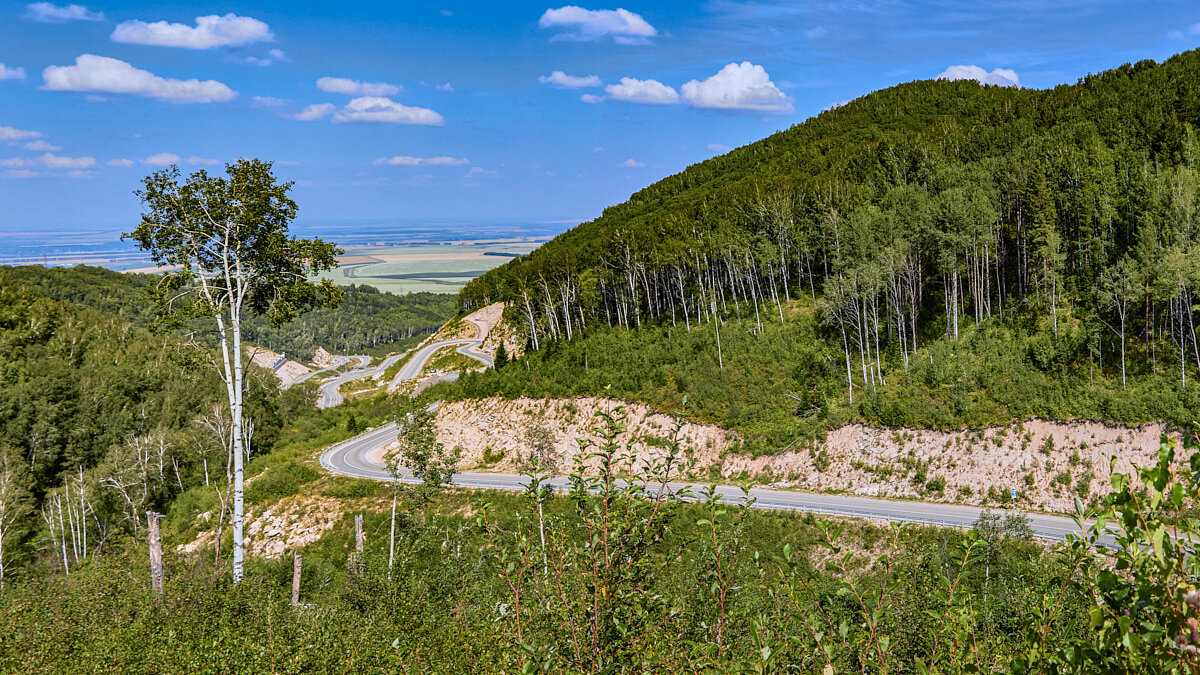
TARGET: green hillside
(367,321)
(936,253)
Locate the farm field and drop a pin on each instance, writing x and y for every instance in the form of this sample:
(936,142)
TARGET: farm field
(435,268)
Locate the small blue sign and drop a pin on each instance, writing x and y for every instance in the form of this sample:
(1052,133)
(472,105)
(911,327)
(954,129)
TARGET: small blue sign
(1014,494)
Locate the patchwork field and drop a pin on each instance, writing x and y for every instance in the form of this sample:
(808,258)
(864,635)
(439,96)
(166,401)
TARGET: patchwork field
(436,268)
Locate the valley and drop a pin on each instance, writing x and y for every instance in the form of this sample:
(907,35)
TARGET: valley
(910,386)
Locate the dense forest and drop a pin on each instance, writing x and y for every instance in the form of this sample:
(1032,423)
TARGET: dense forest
(1061,225)
(366,322)
(102,420)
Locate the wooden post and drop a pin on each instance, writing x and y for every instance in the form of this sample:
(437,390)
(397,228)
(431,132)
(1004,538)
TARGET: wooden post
(156,568)
(296,580)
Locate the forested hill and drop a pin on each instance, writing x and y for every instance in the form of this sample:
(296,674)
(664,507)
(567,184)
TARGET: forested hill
(367,321)
(906,218)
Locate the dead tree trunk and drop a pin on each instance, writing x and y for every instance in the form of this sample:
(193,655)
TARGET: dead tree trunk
(156,564)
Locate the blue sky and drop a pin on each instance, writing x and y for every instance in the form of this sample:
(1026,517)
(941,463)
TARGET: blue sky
(484,112)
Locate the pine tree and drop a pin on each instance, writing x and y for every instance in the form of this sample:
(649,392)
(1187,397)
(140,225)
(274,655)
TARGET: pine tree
(501,358)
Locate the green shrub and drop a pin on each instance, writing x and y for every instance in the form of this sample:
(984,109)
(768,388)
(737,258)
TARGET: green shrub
(280,481)
(355,488)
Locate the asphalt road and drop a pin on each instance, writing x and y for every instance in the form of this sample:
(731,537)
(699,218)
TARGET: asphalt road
(330,396)
(467,347)
(350,458)
(338,363)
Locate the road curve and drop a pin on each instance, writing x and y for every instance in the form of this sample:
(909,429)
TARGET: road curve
(331,394)
(351,458)
(339,361)
(467,347)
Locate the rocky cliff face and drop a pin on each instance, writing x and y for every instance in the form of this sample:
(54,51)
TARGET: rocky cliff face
(1048,463)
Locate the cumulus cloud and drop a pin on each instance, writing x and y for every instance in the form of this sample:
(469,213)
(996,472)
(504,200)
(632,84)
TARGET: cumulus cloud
(405,160)
(563,81)
(445,88)
(273,56)
(738,86)
(1193,29)
(1002,77)
(642,91)
(121,163)
(55,162)
(625,27)
(269,101)
(13,161)
(342,85)
(11,134)
(632,164)
(205,161)
(380,109)
(11,73)
(161,159)
(21,173)
(101,73)
(39,146)
(48,12)
(209,32)
(313,112)
(479,171)
(591,98)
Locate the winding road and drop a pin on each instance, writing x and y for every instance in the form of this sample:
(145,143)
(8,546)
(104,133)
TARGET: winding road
(354,458)
(466,347)
(331,394)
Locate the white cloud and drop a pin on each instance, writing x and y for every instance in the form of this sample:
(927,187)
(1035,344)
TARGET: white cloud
(313,112)
(269,101)
(273,56)
(1000,76)
(48,12)
(625,27)
(1193,29)
(405,160)
(77,173)
(738,86)
(56,162)
(592,98)
(818,32)
(563,81)
(122,163)
(11,73)
(39,146)
(11,134)
(641,91)
(719,147)
(205,161)
(22,173)
(478,171)
(209,32)
(161,159)
(446,88)
(14,161)
(101,73)
(342,85)
(632,164)
(380,109)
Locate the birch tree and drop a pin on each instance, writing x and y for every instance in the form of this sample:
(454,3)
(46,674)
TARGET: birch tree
(224,246)
(15,503)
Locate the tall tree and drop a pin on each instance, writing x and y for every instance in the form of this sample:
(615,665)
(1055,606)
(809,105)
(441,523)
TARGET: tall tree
(15,503)
(224,245)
